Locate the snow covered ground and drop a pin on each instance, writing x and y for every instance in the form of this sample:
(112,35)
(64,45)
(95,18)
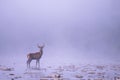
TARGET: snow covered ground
(61,72)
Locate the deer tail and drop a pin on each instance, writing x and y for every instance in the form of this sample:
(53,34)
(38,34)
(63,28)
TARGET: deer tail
(28,56)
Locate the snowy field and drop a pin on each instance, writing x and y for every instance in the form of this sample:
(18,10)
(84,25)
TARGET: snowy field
(81,38)
(61,72)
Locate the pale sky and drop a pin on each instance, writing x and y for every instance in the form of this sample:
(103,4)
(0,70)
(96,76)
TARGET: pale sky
(77,30)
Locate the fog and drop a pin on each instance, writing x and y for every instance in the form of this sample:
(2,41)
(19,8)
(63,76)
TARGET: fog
(73,31)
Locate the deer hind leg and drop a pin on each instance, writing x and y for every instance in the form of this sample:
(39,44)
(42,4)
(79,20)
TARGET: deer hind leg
(28,63)
(38,64)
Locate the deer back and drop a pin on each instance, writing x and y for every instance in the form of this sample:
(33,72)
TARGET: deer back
(36,55)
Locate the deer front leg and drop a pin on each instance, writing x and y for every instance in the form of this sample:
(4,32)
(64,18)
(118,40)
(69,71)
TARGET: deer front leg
(37,64)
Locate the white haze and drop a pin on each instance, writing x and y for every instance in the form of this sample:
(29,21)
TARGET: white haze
(73,31)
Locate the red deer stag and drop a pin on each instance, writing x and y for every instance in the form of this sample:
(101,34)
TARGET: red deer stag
(35,56)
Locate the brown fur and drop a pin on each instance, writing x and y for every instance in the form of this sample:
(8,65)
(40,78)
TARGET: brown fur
(35,56)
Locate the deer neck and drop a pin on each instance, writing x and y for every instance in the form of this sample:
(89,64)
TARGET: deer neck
(41,51)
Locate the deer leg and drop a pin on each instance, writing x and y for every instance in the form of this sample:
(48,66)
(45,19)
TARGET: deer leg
(38,64)
(28,63)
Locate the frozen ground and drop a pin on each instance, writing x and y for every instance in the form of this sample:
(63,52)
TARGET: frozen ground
(61,72)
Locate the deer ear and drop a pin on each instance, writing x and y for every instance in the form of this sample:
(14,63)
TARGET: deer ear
(43,46)
(38,46)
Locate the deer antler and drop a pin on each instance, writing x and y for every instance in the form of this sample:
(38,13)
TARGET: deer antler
(43,45)
(38,45)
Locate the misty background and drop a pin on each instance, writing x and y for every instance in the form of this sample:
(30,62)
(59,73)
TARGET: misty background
(73,31)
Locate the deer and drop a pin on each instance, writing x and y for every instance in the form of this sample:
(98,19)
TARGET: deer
(35,56)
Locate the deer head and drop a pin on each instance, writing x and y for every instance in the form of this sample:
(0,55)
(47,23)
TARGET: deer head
(41,47)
